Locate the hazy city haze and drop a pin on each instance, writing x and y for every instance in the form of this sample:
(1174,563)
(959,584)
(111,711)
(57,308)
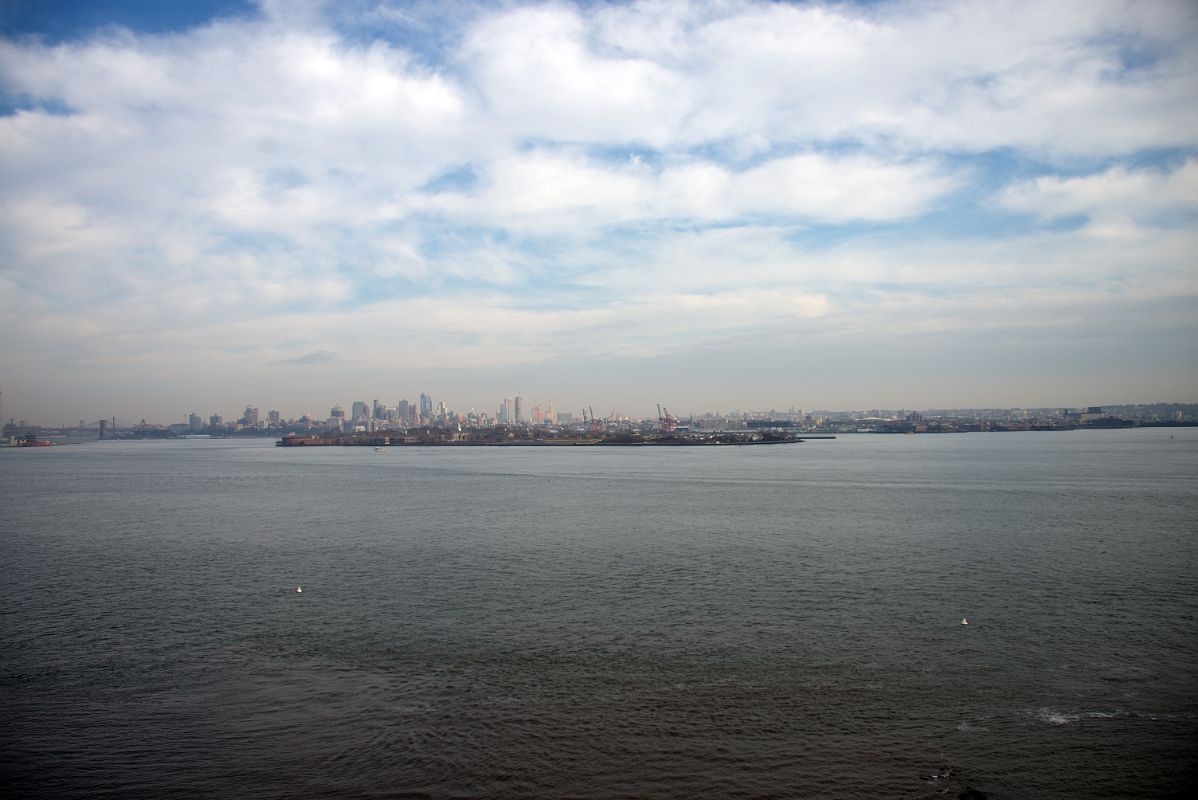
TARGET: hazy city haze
(711,205)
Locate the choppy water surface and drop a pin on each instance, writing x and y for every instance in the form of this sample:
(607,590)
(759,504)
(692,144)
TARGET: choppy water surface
(603,622)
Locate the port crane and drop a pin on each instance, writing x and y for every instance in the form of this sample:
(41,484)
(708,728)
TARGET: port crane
(595,425)
(666,423)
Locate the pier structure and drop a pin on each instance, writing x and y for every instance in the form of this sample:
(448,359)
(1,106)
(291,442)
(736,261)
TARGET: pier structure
(504,436)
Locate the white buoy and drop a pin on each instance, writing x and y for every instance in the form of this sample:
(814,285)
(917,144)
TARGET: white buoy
(299,589)
(964,620)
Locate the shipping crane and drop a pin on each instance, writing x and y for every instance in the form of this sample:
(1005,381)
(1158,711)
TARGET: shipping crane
(666,423)
(593,425)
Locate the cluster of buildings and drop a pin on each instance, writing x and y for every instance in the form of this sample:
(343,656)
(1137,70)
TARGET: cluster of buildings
(512,413)
(362,417)
(376,416)
(957,420)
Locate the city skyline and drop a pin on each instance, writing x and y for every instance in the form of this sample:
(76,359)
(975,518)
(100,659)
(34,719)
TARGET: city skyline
(429,411)
(746,204)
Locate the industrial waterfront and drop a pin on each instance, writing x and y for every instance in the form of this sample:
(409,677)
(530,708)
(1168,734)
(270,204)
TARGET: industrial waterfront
(534,437)
(429,423)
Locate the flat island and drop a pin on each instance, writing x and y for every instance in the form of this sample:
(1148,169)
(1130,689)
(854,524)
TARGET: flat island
(533,437)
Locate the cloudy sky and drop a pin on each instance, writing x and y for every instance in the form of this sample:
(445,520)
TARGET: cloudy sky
(712,205)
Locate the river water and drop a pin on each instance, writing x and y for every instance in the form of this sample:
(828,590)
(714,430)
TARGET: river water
(778,621)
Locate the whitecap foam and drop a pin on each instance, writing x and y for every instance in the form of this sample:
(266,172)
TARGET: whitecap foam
(1053,717)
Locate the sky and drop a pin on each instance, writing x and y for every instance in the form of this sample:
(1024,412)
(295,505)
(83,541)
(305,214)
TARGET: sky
(709,205)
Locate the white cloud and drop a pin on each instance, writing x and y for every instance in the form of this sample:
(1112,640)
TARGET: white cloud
(537,75)
(842,189)
(652,174)
(1117,199)
(963,76)
(556,190)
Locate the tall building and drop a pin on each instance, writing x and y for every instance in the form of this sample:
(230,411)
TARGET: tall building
(519,409)
(403,411)
(193,421)
(359,410)
(379,411)
(216,421)
(426,407)
(250,418)
(274,418)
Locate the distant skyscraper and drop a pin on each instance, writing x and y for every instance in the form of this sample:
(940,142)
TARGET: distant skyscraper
(337,412)
(274,418)
(193,421)
(426,407)
(379,411)
(519,409)
(359,410)
(216,420)
(250,418)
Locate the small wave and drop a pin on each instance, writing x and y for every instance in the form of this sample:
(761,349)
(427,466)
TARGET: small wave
(1057,717)
(966,727)
(1054,717)
(940,774)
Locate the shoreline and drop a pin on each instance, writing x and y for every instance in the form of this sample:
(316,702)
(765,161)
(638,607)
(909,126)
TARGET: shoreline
(426,440)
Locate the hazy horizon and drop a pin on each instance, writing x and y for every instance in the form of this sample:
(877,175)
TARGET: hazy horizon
(706,205)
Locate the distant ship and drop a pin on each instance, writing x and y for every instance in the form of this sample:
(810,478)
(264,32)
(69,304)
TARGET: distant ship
(30,440)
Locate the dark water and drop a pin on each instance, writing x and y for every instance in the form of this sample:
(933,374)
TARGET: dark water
(739,622)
